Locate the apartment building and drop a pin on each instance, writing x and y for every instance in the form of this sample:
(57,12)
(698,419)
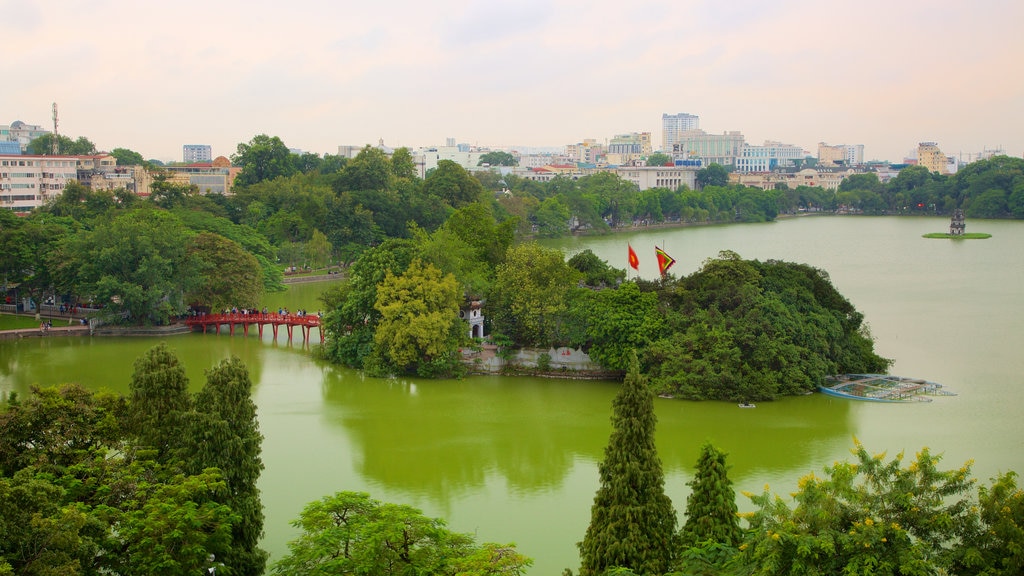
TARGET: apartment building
(27,182)
(711,148)
(840,154)
(931,157)
(21,133)
(589,151)
(770,156)
(216,177)
(623,148)
(193,153)
(673,126)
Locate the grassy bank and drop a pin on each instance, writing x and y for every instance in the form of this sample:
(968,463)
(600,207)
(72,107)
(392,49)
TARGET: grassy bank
(964,236)
(12,322)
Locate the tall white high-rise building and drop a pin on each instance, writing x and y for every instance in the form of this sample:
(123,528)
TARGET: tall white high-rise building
(192,153)
(673,125)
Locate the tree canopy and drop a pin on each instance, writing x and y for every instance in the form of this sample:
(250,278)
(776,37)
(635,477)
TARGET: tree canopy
(262,158)
(350,533)
(419,327)
(711,513)
(871,516)
(136,263)
(43,146)
(632,523)
(156,482)
(497,158)
(748,330)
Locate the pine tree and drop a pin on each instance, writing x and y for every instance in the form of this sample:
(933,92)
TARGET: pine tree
(711,513)
(223,433)
(632,522)
(158,401)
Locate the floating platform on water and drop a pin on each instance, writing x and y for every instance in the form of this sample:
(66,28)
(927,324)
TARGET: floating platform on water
(883,388)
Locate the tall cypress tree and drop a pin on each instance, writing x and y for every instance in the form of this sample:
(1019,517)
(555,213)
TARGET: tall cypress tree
(711,506)
(223,433)
(158,400)
(632,523)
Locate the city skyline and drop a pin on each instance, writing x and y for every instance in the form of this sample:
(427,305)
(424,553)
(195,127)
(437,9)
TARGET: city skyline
(888,75)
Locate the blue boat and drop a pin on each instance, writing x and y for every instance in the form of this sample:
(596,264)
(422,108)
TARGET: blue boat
(882,388)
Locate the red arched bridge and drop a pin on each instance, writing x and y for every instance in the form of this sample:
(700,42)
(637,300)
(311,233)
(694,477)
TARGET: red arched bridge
(307,322)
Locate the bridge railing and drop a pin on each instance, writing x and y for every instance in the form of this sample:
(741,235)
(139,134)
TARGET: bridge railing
(257,318)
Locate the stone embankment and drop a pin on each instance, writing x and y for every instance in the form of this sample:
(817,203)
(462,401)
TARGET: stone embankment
(314,278)
(560,362)
(111,330)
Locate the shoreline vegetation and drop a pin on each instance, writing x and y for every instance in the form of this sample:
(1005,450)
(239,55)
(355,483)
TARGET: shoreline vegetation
(424,255)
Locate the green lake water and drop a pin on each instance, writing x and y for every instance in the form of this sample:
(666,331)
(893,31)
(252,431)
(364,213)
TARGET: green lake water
(514,459)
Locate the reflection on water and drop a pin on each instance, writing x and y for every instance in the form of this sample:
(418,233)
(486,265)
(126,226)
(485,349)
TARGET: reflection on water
(441,440)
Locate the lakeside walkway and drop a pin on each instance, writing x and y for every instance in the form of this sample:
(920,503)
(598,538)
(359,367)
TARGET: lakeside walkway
(56,330)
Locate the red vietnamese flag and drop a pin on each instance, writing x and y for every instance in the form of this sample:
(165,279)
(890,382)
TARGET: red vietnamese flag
(633,260)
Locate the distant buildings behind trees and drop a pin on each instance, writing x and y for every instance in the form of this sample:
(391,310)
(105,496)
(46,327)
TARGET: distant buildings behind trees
(29,180)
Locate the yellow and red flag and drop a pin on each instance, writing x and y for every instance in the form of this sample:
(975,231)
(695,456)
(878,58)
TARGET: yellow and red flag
(633,260)
(664,260)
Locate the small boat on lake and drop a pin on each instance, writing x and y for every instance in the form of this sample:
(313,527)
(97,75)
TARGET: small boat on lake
(882,388)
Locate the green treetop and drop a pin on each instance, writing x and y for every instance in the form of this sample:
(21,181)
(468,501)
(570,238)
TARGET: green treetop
(419,327)
(158,401)
(869,517)
(262,158)
(350,533)
(711,506)
(632,523)
(497,158)
(222,432)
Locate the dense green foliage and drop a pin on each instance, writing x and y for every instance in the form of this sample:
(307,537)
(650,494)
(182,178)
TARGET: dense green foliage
(304,210)
(596,272)
(711,513)
(659,159)
(126,157)
(228,275)
(870,516)
(632,523)
(136,263)
(995,545)
(497,158)
(528,299)
(43,146)
(221,432)
(159,401)
(350,533)
(613,324)
(263,158)
(157,482)
(419,328)
(749,330)
(392,317)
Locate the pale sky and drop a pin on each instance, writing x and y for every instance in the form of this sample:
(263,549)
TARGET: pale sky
(321,73)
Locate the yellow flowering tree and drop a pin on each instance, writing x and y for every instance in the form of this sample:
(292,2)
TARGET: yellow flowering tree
(872,516)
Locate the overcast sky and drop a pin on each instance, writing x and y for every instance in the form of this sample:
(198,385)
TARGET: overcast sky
(320,73)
